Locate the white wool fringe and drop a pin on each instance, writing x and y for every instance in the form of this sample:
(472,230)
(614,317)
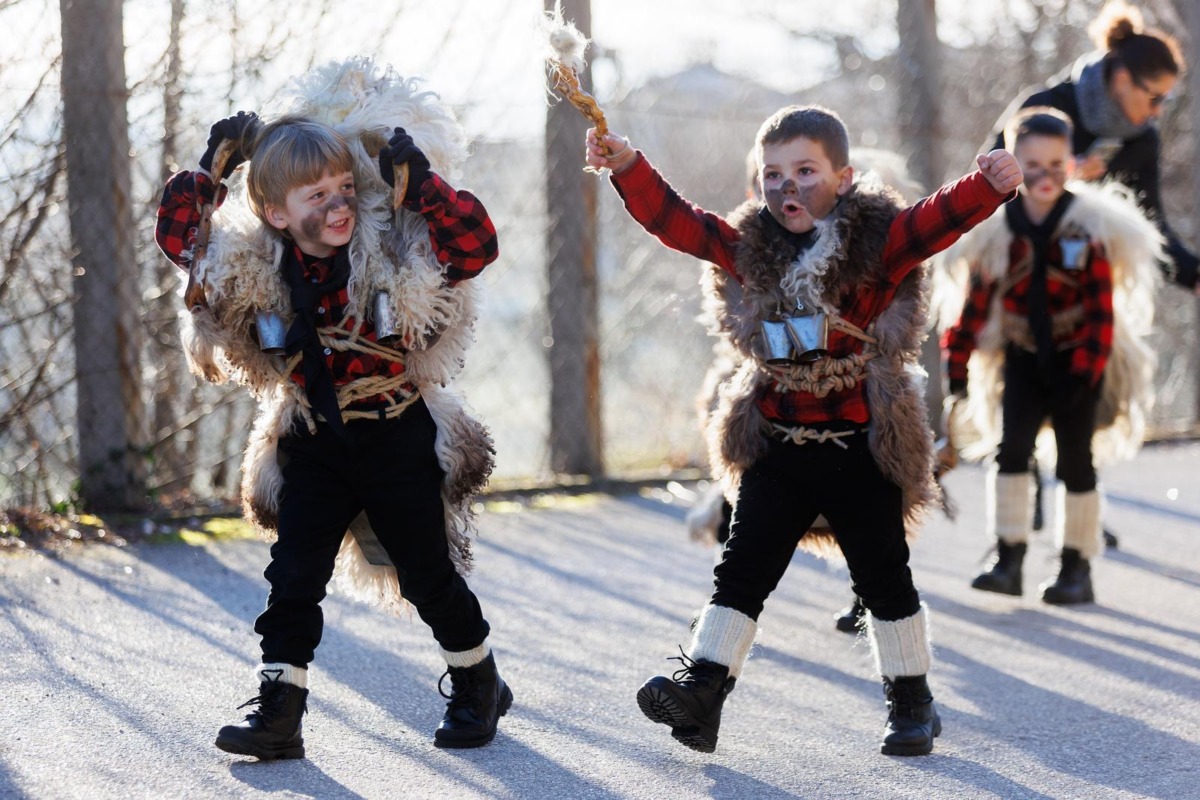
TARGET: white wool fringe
(1077,521)
(284,673)
(1009,506)
(901,647)
(467,658)
(723,636)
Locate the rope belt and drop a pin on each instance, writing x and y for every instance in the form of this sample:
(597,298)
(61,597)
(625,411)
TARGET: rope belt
(829,374)
(801,434)
(1016,328)
(825,376)
(395,388)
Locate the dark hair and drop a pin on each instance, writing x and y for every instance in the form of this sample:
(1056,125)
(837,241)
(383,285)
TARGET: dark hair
(1037,121)
(811,122)
(1146,53)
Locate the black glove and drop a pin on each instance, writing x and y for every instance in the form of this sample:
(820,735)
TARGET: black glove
(401,149)
(242,128)
(958,387)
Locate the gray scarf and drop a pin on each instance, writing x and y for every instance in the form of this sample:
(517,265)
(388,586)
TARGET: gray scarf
(1098,112)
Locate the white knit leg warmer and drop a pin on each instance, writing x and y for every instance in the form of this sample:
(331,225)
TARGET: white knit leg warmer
(1077,521)
(901,647)
(284,673)
(467,658)
(1009,506)
(723,636)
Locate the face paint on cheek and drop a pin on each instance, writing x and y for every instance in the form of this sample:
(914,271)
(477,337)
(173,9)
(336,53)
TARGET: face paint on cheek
(814,200)
(312,225)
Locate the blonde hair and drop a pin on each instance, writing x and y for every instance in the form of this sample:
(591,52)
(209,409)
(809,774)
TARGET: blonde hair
(289,152)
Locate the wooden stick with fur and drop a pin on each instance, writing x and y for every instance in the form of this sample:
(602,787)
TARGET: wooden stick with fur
(564,62)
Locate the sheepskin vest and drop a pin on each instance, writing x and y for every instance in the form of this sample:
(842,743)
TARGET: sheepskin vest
(1110,217)
(847,253)
(388,251)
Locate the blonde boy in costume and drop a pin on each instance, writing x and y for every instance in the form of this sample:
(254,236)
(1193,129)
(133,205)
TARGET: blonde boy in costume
(354,432)
(839,430)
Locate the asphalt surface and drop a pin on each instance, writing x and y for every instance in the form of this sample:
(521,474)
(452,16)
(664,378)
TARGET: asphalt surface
(117,666)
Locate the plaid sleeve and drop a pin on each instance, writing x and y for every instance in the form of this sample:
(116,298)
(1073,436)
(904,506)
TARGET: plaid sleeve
(1089,358)
(959,339)
(460,229)
(936,222)
(179,214)
(673,220)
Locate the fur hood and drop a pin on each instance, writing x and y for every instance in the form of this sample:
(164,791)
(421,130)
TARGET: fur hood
(1109,215)
(388,251)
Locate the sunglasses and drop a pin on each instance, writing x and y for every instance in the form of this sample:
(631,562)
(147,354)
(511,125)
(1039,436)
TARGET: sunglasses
(1156,100)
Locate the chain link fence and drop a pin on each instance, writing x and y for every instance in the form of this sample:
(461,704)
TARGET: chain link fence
(89,353)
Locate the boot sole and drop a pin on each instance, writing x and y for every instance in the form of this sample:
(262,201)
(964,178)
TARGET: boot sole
(913,750)
(985,587)
(661,707)
(261,753)
(1069,601)
(505,703)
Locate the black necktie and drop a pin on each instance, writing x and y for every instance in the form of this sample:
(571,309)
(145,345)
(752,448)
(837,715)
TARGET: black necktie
(302,335)
(1039,237)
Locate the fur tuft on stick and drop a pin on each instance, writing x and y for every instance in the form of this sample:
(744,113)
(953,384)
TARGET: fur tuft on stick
(566,43)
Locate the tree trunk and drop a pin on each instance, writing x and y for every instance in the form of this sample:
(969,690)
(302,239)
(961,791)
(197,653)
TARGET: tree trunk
(920,121)
(575,433)
(110,412)
(174,449)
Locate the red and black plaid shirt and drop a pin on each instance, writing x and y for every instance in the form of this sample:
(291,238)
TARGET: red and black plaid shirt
(462,234)
(931,225)
(1090,287)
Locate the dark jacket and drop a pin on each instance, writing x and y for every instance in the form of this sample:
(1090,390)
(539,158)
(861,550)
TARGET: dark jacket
(1135,165)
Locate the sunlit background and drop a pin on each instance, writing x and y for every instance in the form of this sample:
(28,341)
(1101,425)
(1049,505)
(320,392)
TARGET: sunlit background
(688,82)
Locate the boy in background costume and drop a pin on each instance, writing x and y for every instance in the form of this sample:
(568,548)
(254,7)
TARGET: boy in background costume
(359,455)
(1061,289)
(843,433)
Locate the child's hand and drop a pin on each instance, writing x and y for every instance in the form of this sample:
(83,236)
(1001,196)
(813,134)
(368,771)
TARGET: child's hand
(622,152)
(1001,169)
(242,128)
(401,149)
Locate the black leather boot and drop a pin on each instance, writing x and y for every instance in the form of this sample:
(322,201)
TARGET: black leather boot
(689,702)
(272,730)
(912,721)
(850,619)
(478,698)
(1110,539)
(1004,573)
(1074,581)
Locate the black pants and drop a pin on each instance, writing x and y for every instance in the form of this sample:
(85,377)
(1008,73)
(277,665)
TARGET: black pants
(1028,400)
(389,469)
(779,498)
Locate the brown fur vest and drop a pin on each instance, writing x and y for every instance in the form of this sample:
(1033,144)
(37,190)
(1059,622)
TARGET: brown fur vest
(847,253)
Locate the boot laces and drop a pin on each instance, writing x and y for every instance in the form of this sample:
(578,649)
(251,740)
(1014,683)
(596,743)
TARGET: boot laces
(902,699)
(462,684)
(692,671)
(270,701)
